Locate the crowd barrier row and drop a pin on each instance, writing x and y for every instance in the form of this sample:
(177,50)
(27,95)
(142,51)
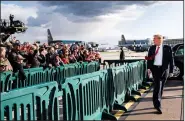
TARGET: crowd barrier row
(39,75)
(38,102)
(90,96)
(93,96)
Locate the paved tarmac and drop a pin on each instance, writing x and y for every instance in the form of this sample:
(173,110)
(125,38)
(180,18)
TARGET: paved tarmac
(128,55)
(172,105)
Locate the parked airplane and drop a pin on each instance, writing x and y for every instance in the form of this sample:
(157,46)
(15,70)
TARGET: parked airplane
(52,41)
(86,44)
(135,45)
(143,45)
(106,47)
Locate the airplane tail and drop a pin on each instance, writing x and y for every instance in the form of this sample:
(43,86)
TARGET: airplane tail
(50,38)
(123,39)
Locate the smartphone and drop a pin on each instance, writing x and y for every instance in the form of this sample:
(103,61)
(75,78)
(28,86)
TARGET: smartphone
(38,42)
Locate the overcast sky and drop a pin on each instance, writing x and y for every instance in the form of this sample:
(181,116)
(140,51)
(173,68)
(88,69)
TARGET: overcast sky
(103,21)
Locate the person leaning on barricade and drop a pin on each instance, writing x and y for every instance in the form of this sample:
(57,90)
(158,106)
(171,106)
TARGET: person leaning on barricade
(91,55)
(32,57)
(65,57)
(8,47)
(76,53)
(18,68)
(81,53)
(57,61)
(42,57)
(15,51)
(98,57)
(50,57)
(72,58)
(85,56)
(3,65)
(56,47)
(16,61)
(4,62)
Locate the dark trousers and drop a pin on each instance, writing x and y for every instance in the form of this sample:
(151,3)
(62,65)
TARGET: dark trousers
(159,82)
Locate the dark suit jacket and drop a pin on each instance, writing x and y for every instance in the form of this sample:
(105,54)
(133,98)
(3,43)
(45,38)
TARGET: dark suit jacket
(166,60)
(122,55)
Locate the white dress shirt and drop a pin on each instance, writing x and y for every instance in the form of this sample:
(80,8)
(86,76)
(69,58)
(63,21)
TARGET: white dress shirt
(159,57)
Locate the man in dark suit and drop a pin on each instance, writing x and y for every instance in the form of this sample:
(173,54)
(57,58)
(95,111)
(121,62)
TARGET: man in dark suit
(158,60)
(122,54)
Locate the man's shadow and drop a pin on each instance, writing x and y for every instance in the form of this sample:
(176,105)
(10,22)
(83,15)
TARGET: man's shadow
(136,112)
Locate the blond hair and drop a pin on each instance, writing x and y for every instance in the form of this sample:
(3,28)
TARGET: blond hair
(159,36)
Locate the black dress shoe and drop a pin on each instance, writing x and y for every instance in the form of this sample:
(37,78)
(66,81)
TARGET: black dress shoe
(159,110)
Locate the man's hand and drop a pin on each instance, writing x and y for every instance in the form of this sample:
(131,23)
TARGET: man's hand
(50,65)
(170,74)
(149,71)
(150,74)
(28,65)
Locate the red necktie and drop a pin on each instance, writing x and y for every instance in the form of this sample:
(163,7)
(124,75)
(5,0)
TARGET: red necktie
(153,56)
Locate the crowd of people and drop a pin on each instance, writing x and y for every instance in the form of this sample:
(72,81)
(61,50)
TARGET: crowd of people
(16,57)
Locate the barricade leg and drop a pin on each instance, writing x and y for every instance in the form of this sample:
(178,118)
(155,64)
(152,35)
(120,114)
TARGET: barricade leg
(107,116)
(129,97)
(146,84)
(142,87)
(136,92)
(119,107)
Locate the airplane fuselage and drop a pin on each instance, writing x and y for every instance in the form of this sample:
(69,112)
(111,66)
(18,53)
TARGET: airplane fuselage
(136,45)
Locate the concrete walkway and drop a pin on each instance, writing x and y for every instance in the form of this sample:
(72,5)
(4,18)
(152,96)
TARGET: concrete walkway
(172,105)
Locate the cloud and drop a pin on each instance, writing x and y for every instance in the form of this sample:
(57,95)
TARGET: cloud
(98,27)
(19,12)
(83,12)
(102,30)
(86,21)
(93,8)
(33,34)
(69,27)
(45,15)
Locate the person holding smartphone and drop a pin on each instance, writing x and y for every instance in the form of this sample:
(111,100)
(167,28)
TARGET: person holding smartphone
(4,63)
(2,66)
